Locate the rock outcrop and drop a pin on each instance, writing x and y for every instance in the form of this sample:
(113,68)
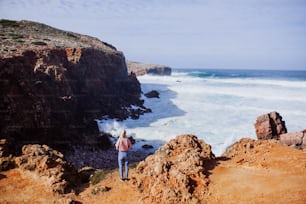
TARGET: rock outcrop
(139,69)
(270,126)
(54,83)
(176,172)
(50,164)
(152,94)
(6,159)
(296,139)
(3,148)
(245,146)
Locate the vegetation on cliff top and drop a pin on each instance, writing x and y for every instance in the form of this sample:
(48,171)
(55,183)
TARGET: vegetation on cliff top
(6,22)
(18,36)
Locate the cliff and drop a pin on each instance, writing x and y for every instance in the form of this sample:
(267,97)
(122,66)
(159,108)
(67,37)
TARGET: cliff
(142,68)
(54,83)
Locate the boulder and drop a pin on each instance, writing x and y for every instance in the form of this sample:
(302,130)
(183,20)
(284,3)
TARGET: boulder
(152,94)
(270,126)
(176,172)
(297,139)
(51,164)
(147,146)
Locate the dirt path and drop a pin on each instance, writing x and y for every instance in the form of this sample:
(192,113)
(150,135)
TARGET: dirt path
(24,187)
(120,192)
(19,187)
(272,174)
(251,185)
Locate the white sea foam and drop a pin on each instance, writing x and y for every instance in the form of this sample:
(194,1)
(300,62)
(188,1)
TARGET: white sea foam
(220,111)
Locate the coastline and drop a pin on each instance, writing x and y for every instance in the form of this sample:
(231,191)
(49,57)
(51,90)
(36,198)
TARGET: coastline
(157,128)
(220,108)
(54,111)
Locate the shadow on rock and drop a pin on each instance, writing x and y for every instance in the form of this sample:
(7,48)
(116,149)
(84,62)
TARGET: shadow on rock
(2,176)
(211,164)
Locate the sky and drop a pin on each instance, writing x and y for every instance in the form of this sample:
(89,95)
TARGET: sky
(231,34)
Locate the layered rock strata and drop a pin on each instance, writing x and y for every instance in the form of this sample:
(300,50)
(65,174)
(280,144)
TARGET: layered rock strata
(53,84)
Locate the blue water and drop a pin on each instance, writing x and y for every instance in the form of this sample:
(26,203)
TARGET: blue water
(236,73)
(218,106)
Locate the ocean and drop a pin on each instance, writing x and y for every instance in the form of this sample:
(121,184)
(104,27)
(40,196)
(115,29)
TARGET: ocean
(218,106)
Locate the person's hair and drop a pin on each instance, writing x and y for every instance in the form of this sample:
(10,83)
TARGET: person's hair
(123,134)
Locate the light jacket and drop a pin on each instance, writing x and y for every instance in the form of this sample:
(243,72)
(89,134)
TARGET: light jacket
(123,144)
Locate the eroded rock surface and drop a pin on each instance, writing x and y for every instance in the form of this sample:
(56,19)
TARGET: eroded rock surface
(50,164)
(176,173)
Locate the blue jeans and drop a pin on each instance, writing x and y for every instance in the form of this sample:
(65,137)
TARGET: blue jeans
(123,159)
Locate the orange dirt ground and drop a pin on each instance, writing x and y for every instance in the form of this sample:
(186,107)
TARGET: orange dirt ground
(271,174)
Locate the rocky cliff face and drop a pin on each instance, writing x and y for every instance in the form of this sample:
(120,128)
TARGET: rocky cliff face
(142,68)
(53,84)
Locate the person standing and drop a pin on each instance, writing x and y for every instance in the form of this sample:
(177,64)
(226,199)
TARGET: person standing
(123,145)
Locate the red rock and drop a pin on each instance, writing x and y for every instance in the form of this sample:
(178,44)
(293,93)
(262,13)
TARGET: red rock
(297,139)
(293,138)
(270,126)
